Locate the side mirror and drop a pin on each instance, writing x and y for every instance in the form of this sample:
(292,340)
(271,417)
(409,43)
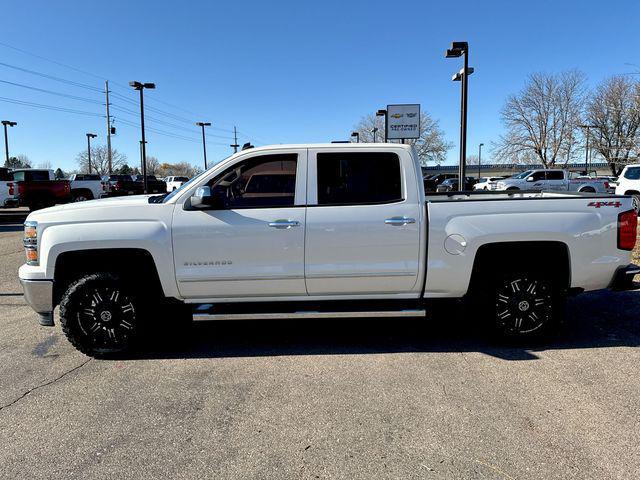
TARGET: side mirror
(530,179)
(204,198)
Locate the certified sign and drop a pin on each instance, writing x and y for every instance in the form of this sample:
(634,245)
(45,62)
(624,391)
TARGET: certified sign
(403,121)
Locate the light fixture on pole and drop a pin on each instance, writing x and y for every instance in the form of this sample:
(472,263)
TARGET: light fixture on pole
(5,124)
(383,113)
(479,158)
(140,87)
(374,130)
(356,135)
(204,143)
(461,49)
(89,137)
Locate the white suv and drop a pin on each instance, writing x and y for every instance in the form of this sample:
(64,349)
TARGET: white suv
(629,183)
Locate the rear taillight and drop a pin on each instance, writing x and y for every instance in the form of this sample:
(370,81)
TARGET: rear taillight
(627,226)
(117,186)
(606,185)
(10,185)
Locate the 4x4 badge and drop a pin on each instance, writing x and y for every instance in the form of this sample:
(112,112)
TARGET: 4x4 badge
(605,204)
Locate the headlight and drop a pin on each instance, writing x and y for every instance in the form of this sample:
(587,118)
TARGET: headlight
(30,242)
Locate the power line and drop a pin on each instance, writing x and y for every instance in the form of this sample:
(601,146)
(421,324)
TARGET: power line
(51,77)
(49,107)
(66,95)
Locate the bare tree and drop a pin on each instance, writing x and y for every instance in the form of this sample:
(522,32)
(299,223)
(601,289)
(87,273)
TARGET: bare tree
(542,121)
(431,146)
(45,165)
(614,112)
(153,166)
(19,161)
(100,160)
(182,169)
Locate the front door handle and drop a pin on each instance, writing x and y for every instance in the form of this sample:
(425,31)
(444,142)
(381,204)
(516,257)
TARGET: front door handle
(399,221)
(284,224)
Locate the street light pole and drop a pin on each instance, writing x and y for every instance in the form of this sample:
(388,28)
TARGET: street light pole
(5,124)
(586,151)
(383,113)
(459,49)
(374,130)
(140,87)
(479,158)
(89,137)
(204,143)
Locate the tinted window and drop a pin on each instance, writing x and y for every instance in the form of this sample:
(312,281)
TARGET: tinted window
(358,178)
(259,182)
(32,176)
(5,175)
(555,175)
(632,173)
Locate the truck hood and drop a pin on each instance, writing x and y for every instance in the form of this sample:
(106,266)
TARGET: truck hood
(94,209)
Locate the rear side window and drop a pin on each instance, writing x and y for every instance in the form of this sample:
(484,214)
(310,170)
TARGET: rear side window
(632,173)
(358,178)
(555,175)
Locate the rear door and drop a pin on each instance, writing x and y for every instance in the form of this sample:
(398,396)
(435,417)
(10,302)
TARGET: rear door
(363,223)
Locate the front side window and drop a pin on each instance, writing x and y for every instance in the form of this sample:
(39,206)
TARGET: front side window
(259,182)
(358,178)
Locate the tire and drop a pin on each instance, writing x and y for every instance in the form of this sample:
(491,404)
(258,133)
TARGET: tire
(81,196)
(101,315)
(525,305)
(587,190)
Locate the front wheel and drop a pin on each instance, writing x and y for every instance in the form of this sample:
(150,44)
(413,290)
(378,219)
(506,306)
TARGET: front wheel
(100,315)
(525,305)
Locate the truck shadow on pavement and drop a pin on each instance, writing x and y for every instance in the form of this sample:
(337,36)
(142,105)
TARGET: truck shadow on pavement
(596,320)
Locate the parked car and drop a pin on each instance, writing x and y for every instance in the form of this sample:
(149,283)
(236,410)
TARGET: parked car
(87,186)
(173,183)
(432,182)
(484,183)
(451,185)
(629,182)
(38,188)
(552,180)
(120,185)
(153,184)
(350,233)
(6,177)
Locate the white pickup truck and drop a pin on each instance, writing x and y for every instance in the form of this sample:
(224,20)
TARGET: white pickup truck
(552,180)
(87,186)
(325,230)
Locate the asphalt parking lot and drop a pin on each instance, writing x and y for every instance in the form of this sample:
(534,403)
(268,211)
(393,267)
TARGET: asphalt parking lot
(323,399)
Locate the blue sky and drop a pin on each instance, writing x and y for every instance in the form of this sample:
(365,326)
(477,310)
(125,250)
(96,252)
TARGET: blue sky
(288,71)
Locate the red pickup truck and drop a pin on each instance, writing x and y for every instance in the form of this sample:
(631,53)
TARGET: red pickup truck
(35,188)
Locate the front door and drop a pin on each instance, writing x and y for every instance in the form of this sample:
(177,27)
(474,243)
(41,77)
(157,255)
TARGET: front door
(254,246)
(363,234)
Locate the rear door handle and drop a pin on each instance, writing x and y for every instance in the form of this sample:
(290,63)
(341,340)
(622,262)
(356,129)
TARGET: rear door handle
(399,221)
(284,224)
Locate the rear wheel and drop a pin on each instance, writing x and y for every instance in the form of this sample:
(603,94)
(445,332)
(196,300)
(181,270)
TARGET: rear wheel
(525,305)
(81,196)
(100,315)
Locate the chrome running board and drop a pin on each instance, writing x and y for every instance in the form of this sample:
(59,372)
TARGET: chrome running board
(202,317)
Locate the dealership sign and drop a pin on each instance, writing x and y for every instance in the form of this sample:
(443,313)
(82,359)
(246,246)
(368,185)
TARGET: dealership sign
(403,121)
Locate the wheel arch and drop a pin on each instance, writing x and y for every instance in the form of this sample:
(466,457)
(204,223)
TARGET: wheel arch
(492,259)
(86,191)
(132,263)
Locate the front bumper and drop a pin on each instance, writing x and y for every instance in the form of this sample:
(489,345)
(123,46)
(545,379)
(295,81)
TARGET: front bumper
(39,295)
(623,278)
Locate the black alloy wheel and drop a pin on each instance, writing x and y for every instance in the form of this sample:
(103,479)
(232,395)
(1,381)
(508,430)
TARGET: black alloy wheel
(99,315)
(525,305)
